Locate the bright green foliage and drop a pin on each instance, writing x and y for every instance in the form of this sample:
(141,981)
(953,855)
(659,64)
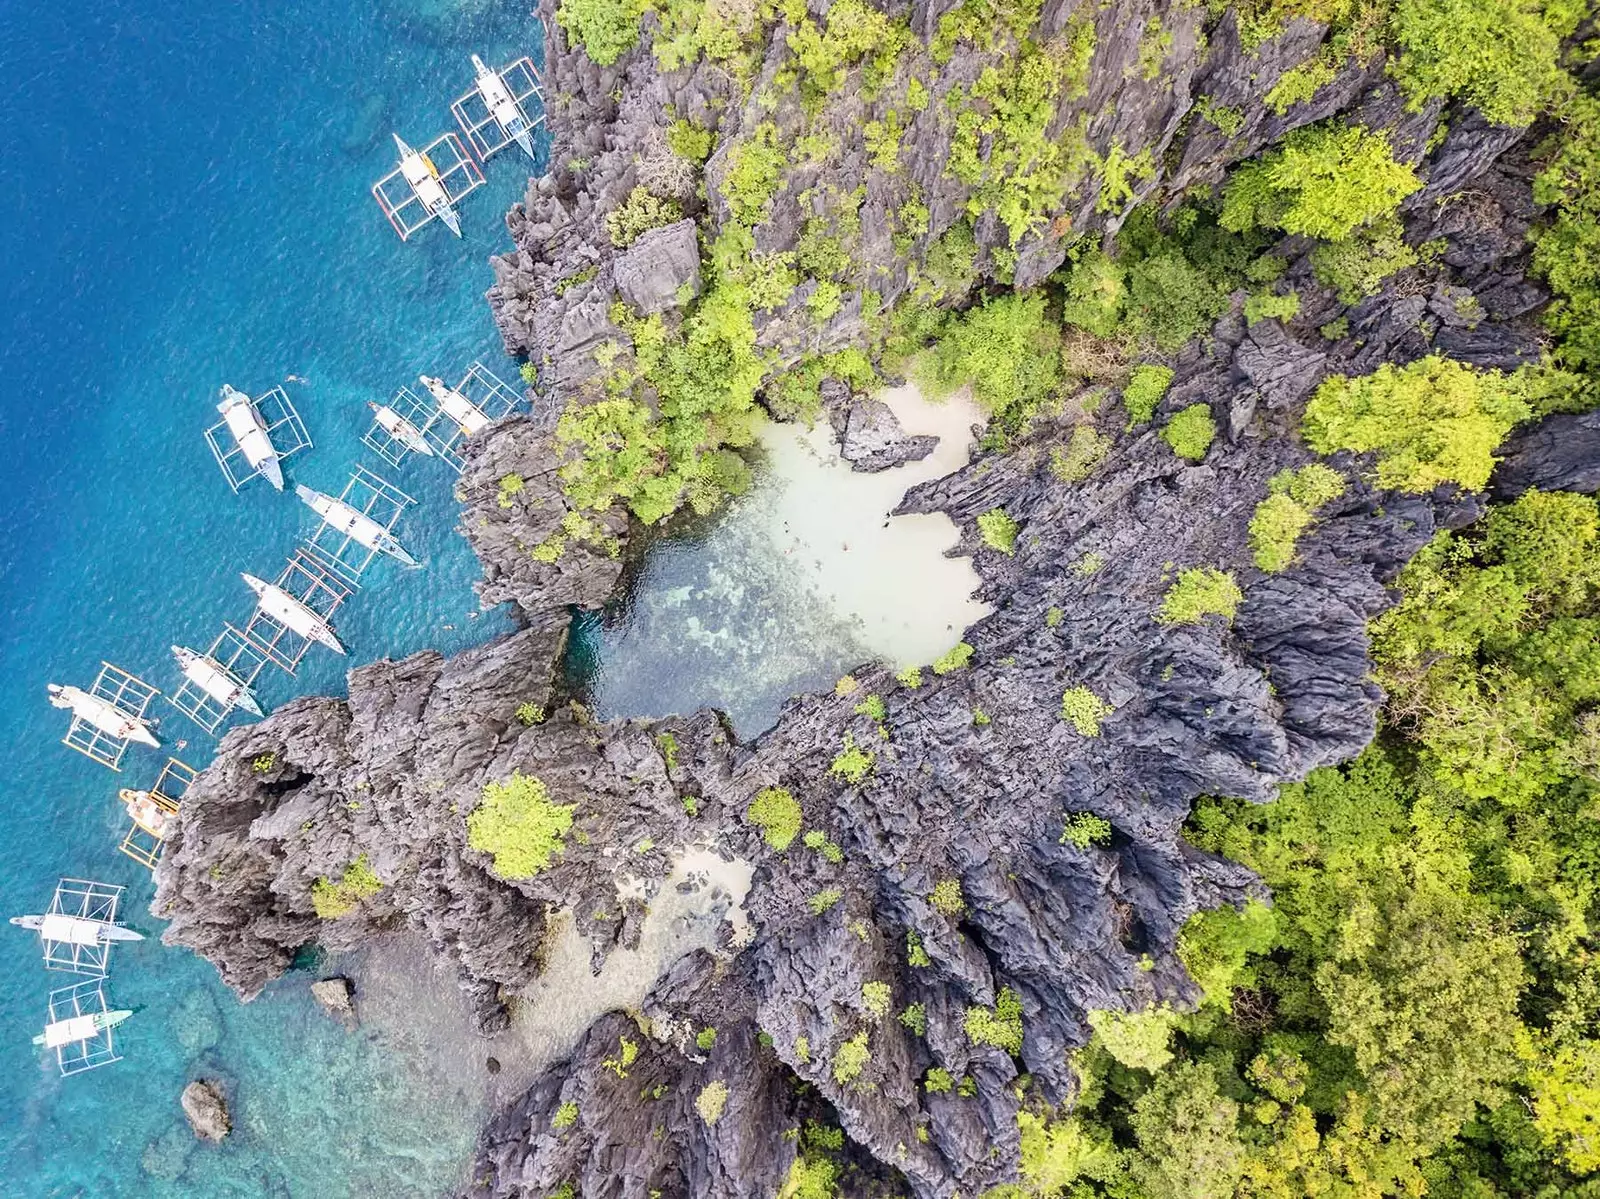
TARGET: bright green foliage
(818,840)
(691,28)
(916,955)
(606,29)
(946,897)
(566,1116)
(1084,710)
(1492,654)
(712,1101)
(688,141)
(1139,1040)
(852,31)
(510,487)
(1566,1104)
(754,168)
(1086,449)
(1000,1026)
(1191,432)
(1323,181)
(875,997)
(850,1059)
(641,212)
(953,659)
(1500,56)
(706,1039)
(852,763)
(823,900)
(627,1054)
(777,814)
(938,1081)
(1200,592)
(1007,349)
(999,532)
(1567,249)
(1083,829)
(517,824)
(263,763)
(1120,176)
(1356,266)
(1096,289)
(1267,305)
(915,1019)
(795,395)
(330,900)
(530,713)
(1287,512)
(1434,421)
(1025,173)
(874,707)
(910,677)
(1146,388)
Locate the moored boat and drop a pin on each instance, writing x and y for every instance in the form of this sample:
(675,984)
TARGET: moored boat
(502,105)
(292,614)
(399,428)
(103,715)
(250,432)
(215,680)
(466,415)
(354,524)
(423,178)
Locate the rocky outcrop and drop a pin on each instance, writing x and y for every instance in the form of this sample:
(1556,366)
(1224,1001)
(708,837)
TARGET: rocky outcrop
(970,776)
(207,1109)
(1558,454)
(661,270)
(336,996)
(873,439)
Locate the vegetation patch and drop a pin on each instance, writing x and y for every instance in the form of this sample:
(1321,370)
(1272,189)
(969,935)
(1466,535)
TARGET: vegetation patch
(776,812)
(1293,497)
(1084,710)
(999,533)
(518,826)
(1191,432)
(330,900)
(1200,592)
(1000,1026)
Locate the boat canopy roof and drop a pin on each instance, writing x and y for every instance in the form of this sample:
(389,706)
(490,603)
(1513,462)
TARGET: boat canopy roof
(71,929)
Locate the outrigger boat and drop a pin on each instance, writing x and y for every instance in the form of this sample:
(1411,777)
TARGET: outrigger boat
(148,812)
(250,431)
(292,614)
(76,930)
(215,680)
(103,715)
(80,1028)
(399,428)
(354,524)
(502,106)
(466,415)
(423,178)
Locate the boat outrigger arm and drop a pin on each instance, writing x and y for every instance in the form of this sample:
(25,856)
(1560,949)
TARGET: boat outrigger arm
(76,930)
(354,524)
(103,715)
(79,1028)
(399,428)
(423,178)
(292,614)
(467,416)
(503,106)
(248,429)
(215,680)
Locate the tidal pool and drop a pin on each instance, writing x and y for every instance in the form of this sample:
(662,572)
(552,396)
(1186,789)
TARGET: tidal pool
(800,580)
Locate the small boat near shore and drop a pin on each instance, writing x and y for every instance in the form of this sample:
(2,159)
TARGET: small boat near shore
(76,930)
(354,524)
(427,185)
(103,715)
(249,431)
(148,812)
(502,105)
(399,428)
(295,616)
(215,680)
(80,1028)
(466,415)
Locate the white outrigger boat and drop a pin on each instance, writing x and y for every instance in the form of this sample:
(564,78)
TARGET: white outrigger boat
(502,106)
(423,178)
(466,415)
(80,1028)
(103,715)
(215,680)
(399,428)
(76,930)
(354,524)
(292,614)
(250,432)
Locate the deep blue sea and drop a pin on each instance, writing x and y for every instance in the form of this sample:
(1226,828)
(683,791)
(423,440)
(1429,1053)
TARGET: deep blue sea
(184,201)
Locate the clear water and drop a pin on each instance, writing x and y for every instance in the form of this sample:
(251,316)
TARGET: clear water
(186,203)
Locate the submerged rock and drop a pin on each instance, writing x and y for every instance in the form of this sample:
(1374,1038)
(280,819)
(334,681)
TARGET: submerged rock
(207,1108)
(335,996)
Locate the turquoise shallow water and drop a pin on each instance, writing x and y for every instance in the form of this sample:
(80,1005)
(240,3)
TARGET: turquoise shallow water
(186,203)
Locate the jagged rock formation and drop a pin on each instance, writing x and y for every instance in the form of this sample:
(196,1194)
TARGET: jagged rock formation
(393,773)
(206,1107)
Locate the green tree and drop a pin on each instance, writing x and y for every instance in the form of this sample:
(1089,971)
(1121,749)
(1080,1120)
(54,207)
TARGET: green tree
(606,29)
(517,824)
